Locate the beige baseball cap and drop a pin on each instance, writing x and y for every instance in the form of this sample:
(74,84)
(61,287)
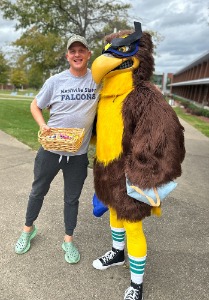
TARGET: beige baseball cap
(77,38)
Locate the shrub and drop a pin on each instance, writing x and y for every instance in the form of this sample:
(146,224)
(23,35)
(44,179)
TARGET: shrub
(192,108)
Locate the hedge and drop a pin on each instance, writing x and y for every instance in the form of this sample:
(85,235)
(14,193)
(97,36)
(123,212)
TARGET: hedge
(192,108)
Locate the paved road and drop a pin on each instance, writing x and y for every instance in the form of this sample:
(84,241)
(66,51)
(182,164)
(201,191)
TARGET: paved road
(178,242)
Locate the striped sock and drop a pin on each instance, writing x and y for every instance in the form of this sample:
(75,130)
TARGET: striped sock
(137,265)
(118,238)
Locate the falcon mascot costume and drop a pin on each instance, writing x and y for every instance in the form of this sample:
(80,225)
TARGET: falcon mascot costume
(139,137)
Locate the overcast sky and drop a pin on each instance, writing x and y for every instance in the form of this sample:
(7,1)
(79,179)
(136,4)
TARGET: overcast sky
(184,26)
(182,23)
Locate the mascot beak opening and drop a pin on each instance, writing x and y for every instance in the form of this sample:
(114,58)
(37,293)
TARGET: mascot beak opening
(107,65)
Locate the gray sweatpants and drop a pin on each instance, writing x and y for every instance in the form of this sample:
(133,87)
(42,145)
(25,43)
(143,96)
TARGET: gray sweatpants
(46,167)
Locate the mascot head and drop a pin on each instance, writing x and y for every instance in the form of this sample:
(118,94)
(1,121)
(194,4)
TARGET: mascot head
(125,51)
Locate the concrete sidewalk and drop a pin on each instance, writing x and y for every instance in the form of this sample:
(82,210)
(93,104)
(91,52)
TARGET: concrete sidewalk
(178,242)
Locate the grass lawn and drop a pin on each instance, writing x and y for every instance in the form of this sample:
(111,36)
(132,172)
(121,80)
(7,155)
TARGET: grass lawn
(19,92)
(17,121)
(195,121)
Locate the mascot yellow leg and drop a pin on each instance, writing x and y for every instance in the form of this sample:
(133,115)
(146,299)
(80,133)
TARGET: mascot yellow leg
(136,241)
(136,248)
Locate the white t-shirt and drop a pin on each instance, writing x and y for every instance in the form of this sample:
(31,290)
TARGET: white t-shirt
(72,101)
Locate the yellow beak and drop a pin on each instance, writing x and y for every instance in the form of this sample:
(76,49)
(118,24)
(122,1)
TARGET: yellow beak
(104,66)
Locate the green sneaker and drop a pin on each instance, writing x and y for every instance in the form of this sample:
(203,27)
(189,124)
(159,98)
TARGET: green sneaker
(72,255)
(23,243)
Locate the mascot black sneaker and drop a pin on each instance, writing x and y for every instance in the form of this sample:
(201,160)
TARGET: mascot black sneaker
(134,292)
(111,258)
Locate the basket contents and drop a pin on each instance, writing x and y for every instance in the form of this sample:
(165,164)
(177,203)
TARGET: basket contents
(71,137)
(61,139)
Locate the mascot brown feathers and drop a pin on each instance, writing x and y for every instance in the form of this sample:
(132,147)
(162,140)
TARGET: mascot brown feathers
(138,136)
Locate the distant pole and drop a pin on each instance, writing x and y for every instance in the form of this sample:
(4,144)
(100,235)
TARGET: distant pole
(165,75)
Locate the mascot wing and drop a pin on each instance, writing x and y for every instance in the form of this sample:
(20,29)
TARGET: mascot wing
(157,143)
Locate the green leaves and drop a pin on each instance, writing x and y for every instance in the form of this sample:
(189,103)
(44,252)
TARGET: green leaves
(4,69)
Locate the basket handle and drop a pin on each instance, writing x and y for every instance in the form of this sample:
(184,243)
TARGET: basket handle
(39,133)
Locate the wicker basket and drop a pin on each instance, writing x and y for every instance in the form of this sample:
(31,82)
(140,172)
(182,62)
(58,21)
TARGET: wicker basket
(61,139)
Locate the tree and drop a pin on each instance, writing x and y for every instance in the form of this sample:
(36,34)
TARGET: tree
(47,24)
(64,17)
(46,51)
(18,78)
(4,69)
(35,76)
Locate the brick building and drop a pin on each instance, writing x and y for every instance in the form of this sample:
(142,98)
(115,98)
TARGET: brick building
(192,81)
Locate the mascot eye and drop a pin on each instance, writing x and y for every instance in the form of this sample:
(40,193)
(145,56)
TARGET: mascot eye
(124,49)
